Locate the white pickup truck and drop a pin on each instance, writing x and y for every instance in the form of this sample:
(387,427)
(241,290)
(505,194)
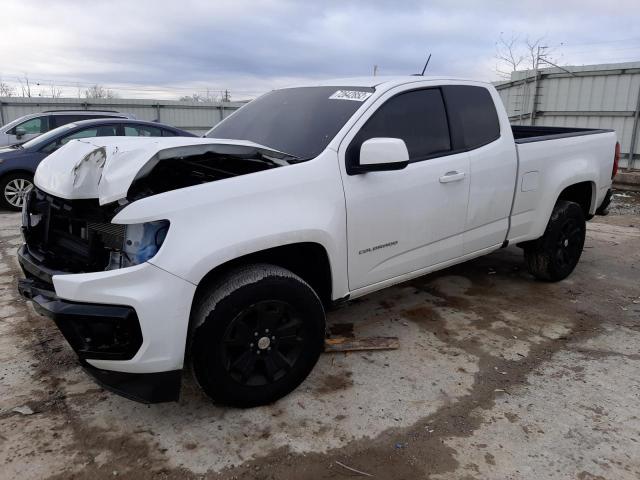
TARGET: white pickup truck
(224,252)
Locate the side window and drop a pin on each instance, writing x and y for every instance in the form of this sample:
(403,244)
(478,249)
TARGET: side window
(168,133)
(417,117)
(142,131)
(59,120)
(36,125)
(86,133)
(473,116)
(101,131)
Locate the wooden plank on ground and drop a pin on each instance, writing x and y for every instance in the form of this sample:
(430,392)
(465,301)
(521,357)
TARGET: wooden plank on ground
(345,344)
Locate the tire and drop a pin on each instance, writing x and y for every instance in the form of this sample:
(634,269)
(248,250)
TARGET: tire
(13,187)
(553,256)
(258,333)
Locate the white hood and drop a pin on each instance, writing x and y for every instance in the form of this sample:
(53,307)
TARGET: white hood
(105,167)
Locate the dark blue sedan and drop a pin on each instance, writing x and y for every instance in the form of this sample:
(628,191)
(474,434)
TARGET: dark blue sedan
(18,163)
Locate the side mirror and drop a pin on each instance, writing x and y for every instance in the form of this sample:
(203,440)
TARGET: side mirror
(381,154)
(20,132)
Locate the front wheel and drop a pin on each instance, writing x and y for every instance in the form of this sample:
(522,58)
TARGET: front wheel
(14,188)
(258,333)
(554,255)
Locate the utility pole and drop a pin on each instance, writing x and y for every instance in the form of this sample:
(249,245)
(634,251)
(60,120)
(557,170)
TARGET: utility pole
(634,133)
(532,118)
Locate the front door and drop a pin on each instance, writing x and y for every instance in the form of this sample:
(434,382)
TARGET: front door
(405,220)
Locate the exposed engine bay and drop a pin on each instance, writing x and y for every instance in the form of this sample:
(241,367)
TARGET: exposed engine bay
(76,235)
(168,174)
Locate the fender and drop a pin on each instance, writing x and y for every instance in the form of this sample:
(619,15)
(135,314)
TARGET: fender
(247,214)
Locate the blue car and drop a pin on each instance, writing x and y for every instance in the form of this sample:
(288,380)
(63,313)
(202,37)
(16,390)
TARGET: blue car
(18,163)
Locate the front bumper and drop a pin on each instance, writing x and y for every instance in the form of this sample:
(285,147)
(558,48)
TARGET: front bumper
(129,333)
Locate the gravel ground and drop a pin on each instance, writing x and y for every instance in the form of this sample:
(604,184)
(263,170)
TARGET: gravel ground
(625,203)
(497,377)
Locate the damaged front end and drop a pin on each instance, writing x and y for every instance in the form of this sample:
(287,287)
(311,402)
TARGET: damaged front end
(121,170)
(70,239)
(64,237)
(182,167)
(77,236)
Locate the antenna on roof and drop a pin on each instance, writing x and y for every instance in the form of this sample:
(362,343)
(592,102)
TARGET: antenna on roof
(424,69)
(425,66)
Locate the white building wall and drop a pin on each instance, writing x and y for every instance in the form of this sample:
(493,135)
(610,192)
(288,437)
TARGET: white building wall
(195,117)
(593,96)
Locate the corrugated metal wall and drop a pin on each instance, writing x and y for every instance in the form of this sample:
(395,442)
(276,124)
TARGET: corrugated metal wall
(594,96)
(194,117)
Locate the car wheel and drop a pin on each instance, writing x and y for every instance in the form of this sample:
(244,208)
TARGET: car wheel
(554,255)
(14,188)
(258,332)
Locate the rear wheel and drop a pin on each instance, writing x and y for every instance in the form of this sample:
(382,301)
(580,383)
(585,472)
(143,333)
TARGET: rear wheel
(259,332)
(554,255)
(14,188)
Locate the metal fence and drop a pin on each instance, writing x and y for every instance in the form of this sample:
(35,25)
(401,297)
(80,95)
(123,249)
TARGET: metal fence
(195,117)
(592,96)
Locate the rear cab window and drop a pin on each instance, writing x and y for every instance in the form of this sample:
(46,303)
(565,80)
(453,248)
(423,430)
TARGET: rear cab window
(472,116)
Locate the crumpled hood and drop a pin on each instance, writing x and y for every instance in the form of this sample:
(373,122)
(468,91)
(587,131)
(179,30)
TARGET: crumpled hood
(105,167)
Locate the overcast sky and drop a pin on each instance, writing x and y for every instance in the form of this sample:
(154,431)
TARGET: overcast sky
(166,49)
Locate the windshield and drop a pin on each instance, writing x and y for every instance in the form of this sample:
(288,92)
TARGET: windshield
(298,121)
(46,137)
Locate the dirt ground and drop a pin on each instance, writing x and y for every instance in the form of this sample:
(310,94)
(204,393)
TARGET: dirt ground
(497,377)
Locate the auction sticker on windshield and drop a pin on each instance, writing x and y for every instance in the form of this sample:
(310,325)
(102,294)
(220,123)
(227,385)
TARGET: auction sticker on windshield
(350,95)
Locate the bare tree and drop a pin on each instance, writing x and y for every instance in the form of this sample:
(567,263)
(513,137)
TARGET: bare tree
(6,90)
(518,53)
(51,92)
(532,50)
(25,86)
(206,96)
(55,92)
(508,54)
(99,91)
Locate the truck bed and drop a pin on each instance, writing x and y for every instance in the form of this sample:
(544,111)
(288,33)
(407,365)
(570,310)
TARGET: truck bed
(527,134)
(550,159)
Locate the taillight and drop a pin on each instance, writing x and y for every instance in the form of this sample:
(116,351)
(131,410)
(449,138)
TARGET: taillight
(616,159)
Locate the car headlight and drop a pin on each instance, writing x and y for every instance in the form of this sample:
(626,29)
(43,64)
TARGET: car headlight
(141,242)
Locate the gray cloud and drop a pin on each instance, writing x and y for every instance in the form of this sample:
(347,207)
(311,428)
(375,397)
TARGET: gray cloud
(169,48)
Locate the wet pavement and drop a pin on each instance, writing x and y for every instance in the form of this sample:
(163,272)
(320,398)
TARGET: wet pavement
(497,376)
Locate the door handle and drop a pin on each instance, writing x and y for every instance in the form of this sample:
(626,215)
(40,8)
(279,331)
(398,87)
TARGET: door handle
(453,176)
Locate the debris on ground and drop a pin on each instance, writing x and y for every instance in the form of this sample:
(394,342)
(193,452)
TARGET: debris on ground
(23,410)
(351,469)
(345,344)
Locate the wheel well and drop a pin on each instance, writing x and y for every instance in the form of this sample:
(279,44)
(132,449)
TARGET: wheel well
(581,193)
(307,260)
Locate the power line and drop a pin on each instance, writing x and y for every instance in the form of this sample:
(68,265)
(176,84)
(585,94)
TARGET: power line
(635,39)
(637,47)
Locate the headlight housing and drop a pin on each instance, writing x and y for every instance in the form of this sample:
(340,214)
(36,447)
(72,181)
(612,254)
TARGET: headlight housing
(141,242)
